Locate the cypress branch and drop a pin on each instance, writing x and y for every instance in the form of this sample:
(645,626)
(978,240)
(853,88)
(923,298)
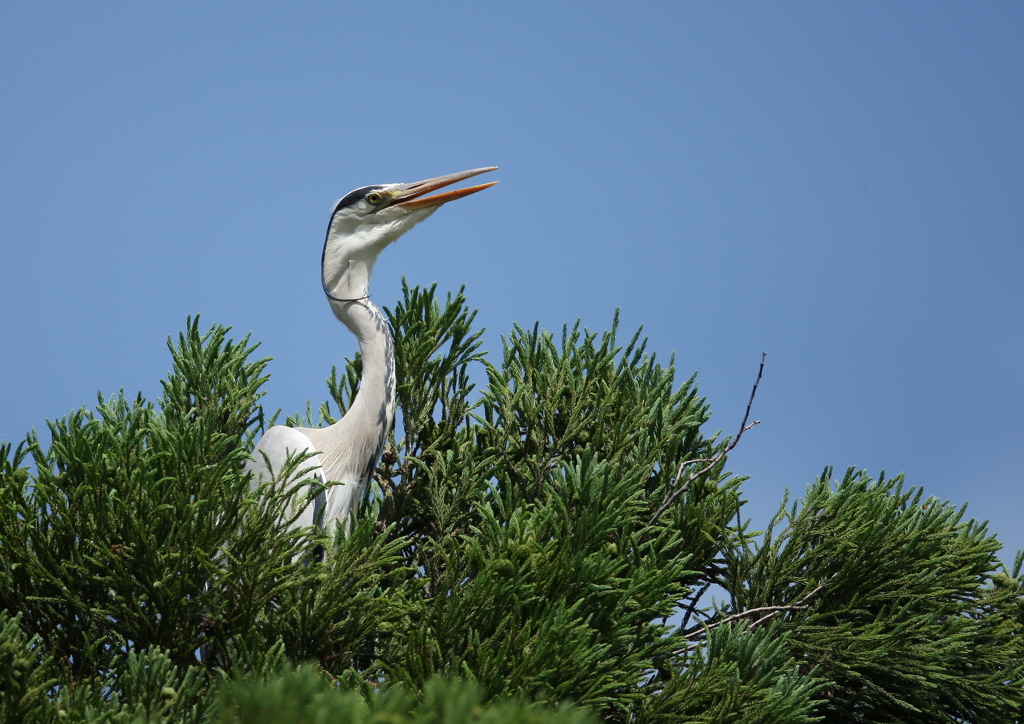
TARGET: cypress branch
(537,549)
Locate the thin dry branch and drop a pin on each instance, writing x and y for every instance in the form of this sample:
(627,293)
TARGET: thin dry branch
(693,604)
(711,462)
(771,611)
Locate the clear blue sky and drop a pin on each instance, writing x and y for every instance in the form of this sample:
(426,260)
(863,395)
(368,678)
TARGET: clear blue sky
(841,186)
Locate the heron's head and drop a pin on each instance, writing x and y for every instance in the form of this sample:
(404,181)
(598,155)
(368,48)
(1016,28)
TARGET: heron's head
(370,218)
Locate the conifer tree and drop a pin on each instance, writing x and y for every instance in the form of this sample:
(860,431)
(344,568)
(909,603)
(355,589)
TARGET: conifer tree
(539,548)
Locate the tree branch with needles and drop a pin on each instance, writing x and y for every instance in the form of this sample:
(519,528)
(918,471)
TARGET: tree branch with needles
(675,490)
(768,611)
(693,603)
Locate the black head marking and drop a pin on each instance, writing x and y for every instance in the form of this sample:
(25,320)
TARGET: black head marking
(354,197)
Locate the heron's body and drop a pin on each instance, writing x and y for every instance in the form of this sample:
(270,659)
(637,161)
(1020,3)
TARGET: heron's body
(363,224)
(347,450)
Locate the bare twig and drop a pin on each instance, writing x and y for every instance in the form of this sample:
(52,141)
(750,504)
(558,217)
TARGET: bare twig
(770,611)
(693,604)
(743,614)
(712,461)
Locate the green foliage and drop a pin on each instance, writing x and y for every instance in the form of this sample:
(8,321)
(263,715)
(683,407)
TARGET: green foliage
(304,696)
(522,542)
(911,623)
(23,675)
(555,600)
(737,675)
(144,687)
(138,527)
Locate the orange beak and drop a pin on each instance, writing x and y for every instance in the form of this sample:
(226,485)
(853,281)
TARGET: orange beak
(413,196)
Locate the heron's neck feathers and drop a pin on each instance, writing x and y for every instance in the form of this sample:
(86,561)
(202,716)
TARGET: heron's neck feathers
(350,447)
(351,280)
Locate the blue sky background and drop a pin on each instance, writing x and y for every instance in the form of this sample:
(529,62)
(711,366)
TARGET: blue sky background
(840,186)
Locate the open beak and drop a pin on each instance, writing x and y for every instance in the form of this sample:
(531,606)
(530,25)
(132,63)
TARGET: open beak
(413,196)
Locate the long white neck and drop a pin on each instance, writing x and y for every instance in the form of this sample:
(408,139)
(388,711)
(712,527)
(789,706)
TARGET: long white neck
(374,406)
(350,281)
(350,447)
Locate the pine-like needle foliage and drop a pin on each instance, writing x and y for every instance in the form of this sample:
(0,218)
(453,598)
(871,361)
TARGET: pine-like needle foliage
(912,621)
(524,543)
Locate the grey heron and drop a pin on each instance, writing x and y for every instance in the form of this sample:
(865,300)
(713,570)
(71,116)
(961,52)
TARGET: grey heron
(364,222)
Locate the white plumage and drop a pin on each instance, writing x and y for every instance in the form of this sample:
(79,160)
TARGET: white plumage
(362,225)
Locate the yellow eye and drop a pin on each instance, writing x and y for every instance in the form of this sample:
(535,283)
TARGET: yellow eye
(374,198)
